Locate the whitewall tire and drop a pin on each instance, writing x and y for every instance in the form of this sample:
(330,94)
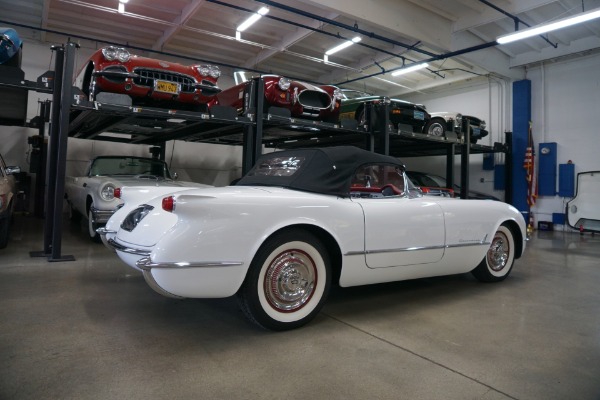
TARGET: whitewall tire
(499,259)
(287,282)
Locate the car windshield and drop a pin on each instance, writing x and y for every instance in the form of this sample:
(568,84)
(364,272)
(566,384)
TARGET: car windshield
(354,94)
(129,166)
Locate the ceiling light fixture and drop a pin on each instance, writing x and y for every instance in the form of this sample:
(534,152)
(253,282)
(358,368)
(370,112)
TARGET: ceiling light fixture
(342,46)
(121,8)
(252,19)
(411,68)
(551,26)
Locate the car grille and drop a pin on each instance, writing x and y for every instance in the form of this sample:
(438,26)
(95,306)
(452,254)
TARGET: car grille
(472,120)
(314,99)
(146,77)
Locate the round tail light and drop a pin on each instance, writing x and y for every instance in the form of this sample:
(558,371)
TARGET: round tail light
(168,204)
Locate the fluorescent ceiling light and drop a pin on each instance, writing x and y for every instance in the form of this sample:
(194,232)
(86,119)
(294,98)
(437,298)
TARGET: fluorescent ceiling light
(412,68)
(121,8)
(252,19)
(342,46)
(551,26)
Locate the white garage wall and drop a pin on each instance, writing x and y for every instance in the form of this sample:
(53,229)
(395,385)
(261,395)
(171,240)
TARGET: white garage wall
(565,110)
(482,97)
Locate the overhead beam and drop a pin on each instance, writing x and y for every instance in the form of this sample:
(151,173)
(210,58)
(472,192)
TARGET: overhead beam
(287,41)
(584,45)
(188,12)
(491,59)
(489,15)
(400,16)
(44,22)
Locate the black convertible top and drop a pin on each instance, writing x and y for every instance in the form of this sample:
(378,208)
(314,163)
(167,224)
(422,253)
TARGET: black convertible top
(327,170)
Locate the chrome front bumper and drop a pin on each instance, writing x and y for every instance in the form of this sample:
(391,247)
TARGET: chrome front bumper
(101,216)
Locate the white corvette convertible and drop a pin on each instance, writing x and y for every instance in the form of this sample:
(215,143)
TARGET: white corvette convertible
(302,219)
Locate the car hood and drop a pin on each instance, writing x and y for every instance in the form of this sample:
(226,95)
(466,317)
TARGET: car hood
(147,180)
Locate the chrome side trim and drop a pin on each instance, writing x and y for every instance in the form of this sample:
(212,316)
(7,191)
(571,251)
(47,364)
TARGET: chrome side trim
(448,246)
(480,243)
(128,250)
(146,264)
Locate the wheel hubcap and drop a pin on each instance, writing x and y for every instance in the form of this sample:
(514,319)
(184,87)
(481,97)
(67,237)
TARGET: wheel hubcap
(436,130)
(290,281)
(497,255)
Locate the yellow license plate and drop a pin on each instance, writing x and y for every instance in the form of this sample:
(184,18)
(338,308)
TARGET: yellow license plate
(166,87)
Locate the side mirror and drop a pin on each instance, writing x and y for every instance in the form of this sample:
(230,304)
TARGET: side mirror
(12,170)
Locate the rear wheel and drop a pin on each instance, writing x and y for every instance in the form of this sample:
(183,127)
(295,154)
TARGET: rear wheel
(287,282)
(499,259)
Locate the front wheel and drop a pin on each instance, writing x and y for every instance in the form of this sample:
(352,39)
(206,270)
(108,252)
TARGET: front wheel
(92,226)
(435,127)
(287,282)
(499,259)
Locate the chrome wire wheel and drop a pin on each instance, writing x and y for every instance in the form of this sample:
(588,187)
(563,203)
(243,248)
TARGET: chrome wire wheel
(290,281)
(498,253)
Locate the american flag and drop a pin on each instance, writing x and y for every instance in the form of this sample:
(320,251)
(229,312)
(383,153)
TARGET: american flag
(529,165)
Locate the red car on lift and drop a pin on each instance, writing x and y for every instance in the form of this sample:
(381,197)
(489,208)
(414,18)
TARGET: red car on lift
(304,100)
(148,81)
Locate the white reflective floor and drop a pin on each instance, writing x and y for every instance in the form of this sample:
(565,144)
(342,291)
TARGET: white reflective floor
(92,329)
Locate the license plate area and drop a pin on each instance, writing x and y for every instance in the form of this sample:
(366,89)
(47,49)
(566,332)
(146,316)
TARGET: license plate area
(166,87)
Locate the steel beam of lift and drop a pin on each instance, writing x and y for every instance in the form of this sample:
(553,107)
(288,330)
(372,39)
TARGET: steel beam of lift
(253,133)
(464,162)
(59,134)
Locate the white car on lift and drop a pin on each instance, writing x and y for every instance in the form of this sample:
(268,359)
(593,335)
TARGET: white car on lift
(302,219)
(442,122)
(93,195)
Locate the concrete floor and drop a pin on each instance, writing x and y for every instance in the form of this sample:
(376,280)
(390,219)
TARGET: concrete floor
(92,329)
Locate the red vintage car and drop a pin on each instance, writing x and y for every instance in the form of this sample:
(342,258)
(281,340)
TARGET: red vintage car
(148,81)
(304,100)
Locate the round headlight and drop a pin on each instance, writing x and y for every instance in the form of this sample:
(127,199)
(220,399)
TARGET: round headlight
(337,94)
(482,125)
(110,53)
(284,83)
(458,120)
(108,192)
(214,71)
(203,70)
(123,55)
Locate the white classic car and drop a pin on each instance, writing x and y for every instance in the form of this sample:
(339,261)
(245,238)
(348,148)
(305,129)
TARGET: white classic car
(302,219)
(93,195)
(441,122)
